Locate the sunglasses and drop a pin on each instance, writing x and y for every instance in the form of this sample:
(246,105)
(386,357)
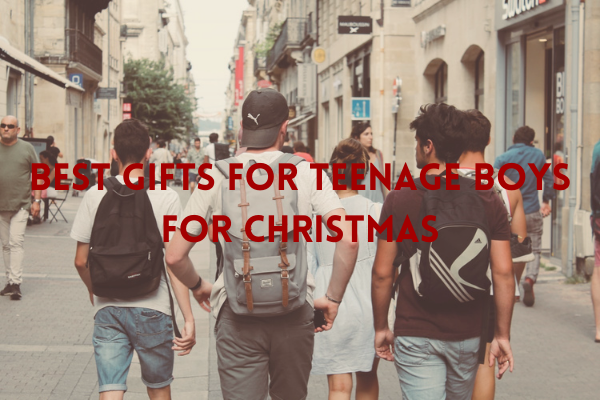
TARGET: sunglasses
(9,126)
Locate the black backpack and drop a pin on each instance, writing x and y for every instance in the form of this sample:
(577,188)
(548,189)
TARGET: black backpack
(453,269)
(221,151)
(126,258)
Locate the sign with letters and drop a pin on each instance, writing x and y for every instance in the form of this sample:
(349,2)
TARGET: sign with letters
(77,79)
(106,93)
(355,25)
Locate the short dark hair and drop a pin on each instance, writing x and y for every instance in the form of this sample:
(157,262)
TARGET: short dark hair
(196,140)
(131,141)
(299,147)
(524,135)
(50,140)
(213,137)
(161,143)
(442,124)
(476,131)
(51,158)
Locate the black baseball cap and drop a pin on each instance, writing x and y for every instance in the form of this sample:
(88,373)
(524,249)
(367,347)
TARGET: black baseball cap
(263,112)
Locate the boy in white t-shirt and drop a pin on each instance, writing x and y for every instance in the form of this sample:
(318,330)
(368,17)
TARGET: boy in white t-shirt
(142,323)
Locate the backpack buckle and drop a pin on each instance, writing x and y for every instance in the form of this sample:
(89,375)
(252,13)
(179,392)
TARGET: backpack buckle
(285,274)
(249,279)
(245,246)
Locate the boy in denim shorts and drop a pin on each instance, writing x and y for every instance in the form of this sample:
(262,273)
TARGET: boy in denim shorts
(142,324)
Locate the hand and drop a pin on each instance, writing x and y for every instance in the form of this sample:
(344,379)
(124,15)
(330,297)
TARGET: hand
(35,209)
(330,310)
(384,344)
(500,350)
(187,340)
(202,295)
(545,209)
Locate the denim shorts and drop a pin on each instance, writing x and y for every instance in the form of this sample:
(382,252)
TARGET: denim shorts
(120,330)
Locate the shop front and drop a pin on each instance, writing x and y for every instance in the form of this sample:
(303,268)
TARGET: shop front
(531,88)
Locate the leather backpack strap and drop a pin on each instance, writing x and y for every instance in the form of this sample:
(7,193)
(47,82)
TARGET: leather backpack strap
(284,264)
(246,246)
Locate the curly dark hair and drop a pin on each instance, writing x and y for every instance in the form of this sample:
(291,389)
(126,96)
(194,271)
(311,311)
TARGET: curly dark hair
(443,125)
(131,141)
(476,131)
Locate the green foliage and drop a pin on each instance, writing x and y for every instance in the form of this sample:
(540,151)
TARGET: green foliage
(157,100)
(262,48)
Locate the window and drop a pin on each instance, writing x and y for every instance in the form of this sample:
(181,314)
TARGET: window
(340,118)
(12,93)
(441,84)
(479,82)
(361,78)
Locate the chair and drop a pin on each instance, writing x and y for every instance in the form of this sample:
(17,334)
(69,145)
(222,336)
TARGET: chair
(59,200)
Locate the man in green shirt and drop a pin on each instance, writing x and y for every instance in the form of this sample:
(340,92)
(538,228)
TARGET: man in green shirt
(196,156)
(16,159)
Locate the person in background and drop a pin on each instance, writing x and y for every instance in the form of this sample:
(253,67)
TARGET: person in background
(595,204)
(160,156)
(287,149)
(348,347)
(209,151)
(47,158)
(523,152)
(16,163)
(51,147)
(196,156)
(301,150)
(364,134)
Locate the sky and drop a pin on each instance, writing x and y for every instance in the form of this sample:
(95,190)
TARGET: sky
(211,27)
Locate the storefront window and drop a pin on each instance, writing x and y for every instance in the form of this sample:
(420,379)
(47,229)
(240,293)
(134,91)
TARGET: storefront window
(513,87)
(441,84)
(479,82)
(558,135)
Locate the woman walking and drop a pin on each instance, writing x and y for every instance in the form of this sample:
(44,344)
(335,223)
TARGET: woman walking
(348,347)
(363,132)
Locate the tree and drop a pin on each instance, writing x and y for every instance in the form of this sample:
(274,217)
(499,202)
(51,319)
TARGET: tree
(157,100)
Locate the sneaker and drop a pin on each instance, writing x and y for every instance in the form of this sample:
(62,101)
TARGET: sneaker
(8,290)
(528,296)
(16,294)
(523,251)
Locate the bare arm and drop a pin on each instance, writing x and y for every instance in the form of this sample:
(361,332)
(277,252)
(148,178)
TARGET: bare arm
(344,260)
(382,282)
(81,257)
(179,262)
(504,290)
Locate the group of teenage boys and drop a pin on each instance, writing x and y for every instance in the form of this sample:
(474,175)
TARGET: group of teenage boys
(436,350)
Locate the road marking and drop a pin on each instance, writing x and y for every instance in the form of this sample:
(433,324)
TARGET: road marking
(50,276)
(43,349)
(47,237)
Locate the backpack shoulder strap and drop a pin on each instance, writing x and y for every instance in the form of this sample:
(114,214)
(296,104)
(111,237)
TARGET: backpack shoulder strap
(287,158)
(111,183)
(223,165)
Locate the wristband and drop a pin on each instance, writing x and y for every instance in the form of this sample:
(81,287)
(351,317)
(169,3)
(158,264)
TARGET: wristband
(333,300)
(197,284)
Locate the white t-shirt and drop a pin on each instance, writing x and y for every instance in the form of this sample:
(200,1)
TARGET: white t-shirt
(206,203)
(164,202)
(158,157)
(210,152)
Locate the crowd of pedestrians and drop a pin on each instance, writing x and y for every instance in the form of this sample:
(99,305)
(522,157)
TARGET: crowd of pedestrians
(285,308)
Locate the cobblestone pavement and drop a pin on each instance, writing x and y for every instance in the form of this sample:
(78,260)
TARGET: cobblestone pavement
(46,352)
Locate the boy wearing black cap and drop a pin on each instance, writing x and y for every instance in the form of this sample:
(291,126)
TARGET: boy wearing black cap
(252,349)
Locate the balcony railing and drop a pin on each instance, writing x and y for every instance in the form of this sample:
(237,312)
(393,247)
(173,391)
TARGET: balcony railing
(292,34)
(82,49)
(260,64)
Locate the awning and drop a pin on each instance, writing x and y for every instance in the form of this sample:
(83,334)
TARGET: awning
(300,120)
(22,60)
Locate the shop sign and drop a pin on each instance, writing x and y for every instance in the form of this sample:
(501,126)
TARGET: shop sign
(560,92)
(126,107)
(355,25)
(106,93)
(239,76)
(434,34)
(263,84)
(513,8)
(318,55)
(77,79)
(292,112)
(400,3)
(230,123)
(361,108)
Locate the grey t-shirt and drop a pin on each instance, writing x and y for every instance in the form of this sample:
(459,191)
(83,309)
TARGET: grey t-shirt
(15,179)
